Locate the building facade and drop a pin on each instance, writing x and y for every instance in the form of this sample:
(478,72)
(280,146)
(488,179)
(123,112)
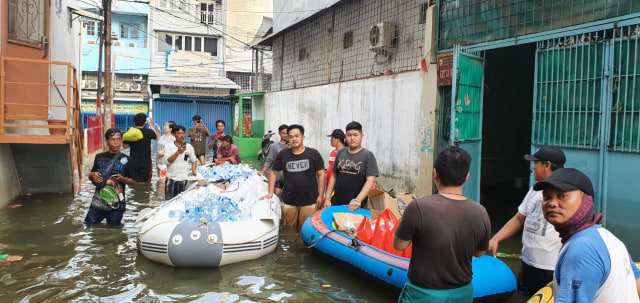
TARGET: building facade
(247,22)
(131,61)
(338,61)
(559,73)
(187,74)
(499,79)
(40,145)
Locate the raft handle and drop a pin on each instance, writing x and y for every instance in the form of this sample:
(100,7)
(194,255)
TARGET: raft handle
(355,245)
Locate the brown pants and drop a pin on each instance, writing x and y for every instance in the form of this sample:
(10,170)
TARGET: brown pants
(296,215)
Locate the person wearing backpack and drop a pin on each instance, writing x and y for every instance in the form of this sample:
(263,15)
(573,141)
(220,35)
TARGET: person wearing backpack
(111,172)
(141,149)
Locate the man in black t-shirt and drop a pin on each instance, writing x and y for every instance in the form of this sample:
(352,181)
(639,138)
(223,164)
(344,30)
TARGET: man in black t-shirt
(354,172)
(141,150)
(446,230)
(121,175)
(304,171)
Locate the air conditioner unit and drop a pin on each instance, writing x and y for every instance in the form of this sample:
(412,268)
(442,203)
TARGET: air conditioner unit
(92,84)
(132,44)
(117,43)
(138,78)
(136,87)
(124,86)
(381,36)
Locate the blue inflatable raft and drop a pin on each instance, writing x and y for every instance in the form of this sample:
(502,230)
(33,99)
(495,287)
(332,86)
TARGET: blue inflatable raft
(492,280)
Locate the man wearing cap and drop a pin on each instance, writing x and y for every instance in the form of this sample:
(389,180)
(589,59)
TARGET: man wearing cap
(337,142)
(354,172)
(594,265)
(540,241)
(274,150)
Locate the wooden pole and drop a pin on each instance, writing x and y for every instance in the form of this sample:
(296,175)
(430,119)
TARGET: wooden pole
(108,77)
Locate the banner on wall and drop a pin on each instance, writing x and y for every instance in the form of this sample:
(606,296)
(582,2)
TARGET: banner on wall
(193,91)
(130,108)
(185,61)
(127,60)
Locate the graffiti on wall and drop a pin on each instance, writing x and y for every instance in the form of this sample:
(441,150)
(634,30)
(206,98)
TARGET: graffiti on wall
(426,142)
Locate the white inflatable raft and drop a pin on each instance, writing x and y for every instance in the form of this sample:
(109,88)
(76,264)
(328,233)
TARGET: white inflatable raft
(177,241)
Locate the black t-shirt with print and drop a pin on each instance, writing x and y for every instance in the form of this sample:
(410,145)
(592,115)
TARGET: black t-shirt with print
(351,171)
(123,166)
(300,171)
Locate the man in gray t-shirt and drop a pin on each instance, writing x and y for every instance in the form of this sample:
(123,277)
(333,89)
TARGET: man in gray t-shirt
(354,172)
(271,157)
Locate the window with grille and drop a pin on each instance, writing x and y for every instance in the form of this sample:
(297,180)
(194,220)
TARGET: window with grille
(124,31)
(188,43)
(347,40)
(568,91)
(587,90)
(208,12)
(625,107)
(90,28)
(27,21)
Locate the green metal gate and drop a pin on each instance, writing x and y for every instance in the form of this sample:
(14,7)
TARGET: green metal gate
(466,114)
(587,102)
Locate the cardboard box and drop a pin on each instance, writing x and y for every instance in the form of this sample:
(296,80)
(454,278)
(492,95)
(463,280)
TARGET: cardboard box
(342,218)
(379,200)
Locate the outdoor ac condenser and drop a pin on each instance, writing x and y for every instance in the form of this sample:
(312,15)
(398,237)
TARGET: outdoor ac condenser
(381,36)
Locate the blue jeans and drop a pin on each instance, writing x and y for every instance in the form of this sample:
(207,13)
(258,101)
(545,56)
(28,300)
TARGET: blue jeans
(95,216)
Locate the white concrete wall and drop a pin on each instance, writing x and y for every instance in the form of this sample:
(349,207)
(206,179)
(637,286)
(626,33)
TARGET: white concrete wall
(64,40)
(9,186)
(388,107)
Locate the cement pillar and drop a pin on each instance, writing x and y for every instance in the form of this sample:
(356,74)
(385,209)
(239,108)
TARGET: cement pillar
(430,102)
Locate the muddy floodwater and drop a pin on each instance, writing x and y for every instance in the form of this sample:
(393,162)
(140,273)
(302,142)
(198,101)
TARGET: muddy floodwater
(63,261)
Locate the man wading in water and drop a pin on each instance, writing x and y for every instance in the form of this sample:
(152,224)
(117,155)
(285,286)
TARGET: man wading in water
(304,171)
(447,230)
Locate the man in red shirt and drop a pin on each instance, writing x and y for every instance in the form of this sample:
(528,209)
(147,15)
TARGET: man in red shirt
(337,142)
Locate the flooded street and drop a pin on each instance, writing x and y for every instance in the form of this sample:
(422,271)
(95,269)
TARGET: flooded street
(63,261)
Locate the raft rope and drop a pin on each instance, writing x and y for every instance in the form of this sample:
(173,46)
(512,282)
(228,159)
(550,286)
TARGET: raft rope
(315,242)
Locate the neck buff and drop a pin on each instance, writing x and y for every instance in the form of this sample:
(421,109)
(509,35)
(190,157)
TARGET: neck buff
(582,219)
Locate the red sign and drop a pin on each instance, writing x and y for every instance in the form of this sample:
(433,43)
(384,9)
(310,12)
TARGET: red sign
(445,67)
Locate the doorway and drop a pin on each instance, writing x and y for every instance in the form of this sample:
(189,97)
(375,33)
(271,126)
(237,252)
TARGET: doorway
(506,130)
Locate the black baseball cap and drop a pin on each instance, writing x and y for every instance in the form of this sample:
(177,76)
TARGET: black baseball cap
(337,133)
(567,179)
(548,153)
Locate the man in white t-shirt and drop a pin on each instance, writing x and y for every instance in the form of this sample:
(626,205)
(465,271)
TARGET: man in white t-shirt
(540,241)
(178,155)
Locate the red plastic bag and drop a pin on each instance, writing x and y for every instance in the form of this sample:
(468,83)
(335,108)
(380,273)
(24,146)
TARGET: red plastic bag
(406,253)
(388,241)
(385,222)
(365,232)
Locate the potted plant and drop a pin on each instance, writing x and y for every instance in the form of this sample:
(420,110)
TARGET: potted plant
(53,121)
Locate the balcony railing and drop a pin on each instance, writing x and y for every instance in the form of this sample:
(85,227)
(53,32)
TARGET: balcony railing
(40,104)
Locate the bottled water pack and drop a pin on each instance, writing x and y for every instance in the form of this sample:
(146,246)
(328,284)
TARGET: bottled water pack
(211,203)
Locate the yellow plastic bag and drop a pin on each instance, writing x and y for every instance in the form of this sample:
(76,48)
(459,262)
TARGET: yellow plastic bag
(132,135)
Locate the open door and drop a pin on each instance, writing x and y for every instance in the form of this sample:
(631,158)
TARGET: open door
(466,114)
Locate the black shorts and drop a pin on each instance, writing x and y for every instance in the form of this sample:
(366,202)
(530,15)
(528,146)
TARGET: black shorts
(531,279)
(142,168)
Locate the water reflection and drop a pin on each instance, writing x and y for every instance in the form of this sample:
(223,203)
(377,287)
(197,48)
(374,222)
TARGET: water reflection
(63,261)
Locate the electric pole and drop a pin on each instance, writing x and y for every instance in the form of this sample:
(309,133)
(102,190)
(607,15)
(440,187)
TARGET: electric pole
(108,81)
